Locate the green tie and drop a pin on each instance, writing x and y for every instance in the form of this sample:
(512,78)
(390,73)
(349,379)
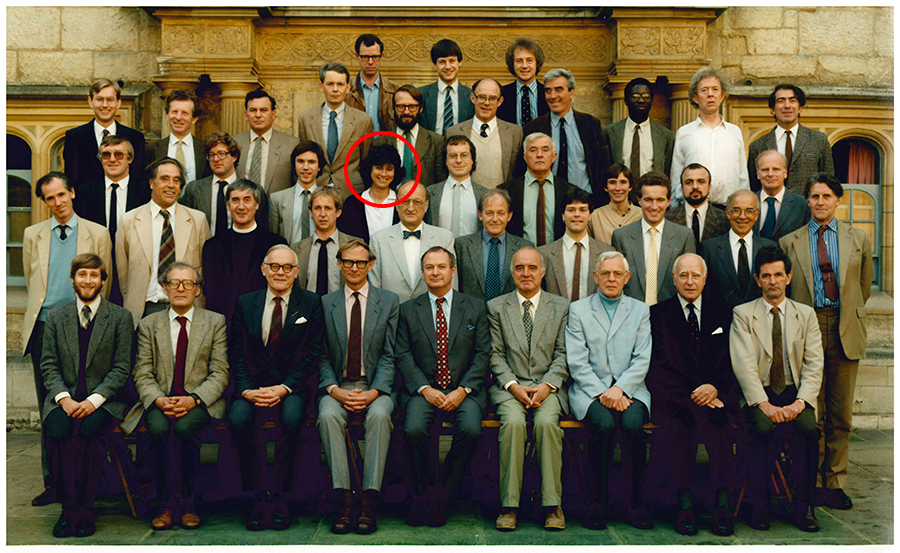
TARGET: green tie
(408,163)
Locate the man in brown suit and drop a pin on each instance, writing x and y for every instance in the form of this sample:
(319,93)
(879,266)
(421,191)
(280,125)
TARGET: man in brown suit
(371,91)
(697,213)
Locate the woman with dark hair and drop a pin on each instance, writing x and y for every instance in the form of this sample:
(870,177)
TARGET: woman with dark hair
(381,173)
(619,211)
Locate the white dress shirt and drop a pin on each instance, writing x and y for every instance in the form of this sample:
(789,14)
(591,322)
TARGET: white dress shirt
(445,309)
(401,147)
(646,144)
(764,205)
(155,292)
(121,197)
(720,149)
(569,263)
(781,138)
(379,218)
(213,212)
(687,312)
(476,127)
(645,233)
(312,267)
(175,326)
(96,399)
(269,308)
(190,164)
(411,248)
(363,302)
(689,215)
(266,141)
(734,242)
(468,216)
(454,99)
(788,377)
(98,130)
(338,120)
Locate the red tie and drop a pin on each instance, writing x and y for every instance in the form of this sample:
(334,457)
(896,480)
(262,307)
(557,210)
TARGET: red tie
(829,279)
(354,343)
(443,369)
(180,358)
(275,328)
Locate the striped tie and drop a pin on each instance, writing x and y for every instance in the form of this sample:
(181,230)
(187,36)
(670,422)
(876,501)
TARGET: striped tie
(166,246)
(448,111)
(256,162)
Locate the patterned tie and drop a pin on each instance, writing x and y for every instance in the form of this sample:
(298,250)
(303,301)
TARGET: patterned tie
(322,267)
(86,313)
(525,112)
(484,128)
(492,277)
(304,217)
(652,262)
(112,223)
(408,162)
(414,233)
(695,226)
(443,368)
(768,228)
(180,358)
(354,340)
(221,212)
(694,324)
(636,152)
(256,161)
(457,208)
(829,279)
(576,273)
(448,111)
(776,373)
(743,270)
(179,152)
(788,148)
(562,162)
(275,328)
(332,136)
(62,232)
(541,215)
(105,133)
(526,322)
(166,246)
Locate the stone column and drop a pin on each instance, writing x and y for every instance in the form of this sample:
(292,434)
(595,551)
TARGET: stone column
(232,105)
(617,95)
(168,83)
(682,110)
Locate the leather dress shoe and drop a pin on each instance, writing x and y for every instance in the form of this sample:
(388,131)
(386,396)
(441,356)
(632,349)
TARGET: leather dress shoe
(437,509)
(640,517)
(343,522)
(838,499)
(722,524)
(281,515)
(366,523)
(594,519)
(759,518)
(85,526)
(806,518)
(506,522)
(190,520)
(163,520)
(417,510)
(46,497)
(65,526)
(259,517)
(685,524)
(555,520)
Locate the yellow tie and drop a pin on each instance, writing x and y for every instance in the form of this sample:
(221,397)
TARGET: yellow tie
(650,294)
(179,152)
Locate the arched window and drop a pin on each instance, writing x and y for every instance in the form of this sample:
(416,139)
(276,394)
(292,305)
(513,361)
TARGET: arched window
(18,206)
(857,164)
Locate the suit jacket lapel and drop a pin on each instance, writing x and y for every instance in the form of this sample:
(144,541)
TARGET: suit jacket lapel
(199,329)
(505,145)
(507,259)
(456,315)
(434,202)
(844,246)
(477,260)
(71,334)
(166,352)
(100,324)
(541,315)
(182,232)
(800,141)
(427,321)
(206,194)
(640,264)
(346,134)
(515,316)
(373,311)
(622,313)
(399,256)
(762,327)
(145,232)
(317,128)
(43,245)
(274,155)
(600,313)
(804,258)
(659,150)
(786,207)
(667,250)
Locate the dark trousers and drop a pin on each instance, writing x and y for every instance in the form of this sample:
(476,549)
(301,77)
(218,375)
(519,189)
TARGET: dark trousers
(419,416)
(603,423)
(177,443)
(246,419)
(804,436)
(36,347)
(75,452)
(718,436)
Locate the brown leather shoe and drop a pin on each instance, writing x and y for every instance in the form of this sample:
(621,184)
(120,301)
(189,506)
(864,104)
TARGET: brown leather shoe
(343,522)
(46,497)
(163,520)
(366,523)
(506,522)
(190,520)
(555,520)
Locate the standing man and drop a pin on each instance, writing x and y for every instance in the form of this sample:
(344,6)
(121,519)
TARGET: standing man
(276,339)
(182,111)
(776,355)
(782,212)
(398,249)
(82,143)
(237,253)
(710,141)
(447,101)
(458,211)
(571,258)
(834,276)
(705,220)
(807,151)
(542,223)
(267,152)
(357,376)
(179,385)
(369,91)
(578,138)
(693,389)
(484,256)
(153,237)
(432,326)
(651,245)
(528,359)
(636,141)
(608,351)
(289,214)
(48,249)
(525,96)
(314,254)
(498,141)
(335,129)
(730,256)
(82,379)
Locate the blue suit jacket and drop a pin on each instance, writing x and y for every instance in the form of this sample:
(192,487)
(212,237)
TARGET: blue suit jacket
(600,351)
(430,114)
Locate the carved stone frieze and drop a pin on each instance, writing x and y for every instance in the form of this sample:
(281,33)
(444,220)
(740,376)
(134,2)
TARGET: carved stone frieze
(229,39)
(215,40)
(683,41)
(182,40)
(671,41)
(639,41)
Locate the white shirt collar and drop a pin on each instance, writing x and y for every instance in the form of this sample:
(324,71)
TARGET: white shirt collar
(155,208)
(492,124)
(123,182)
(188,140)
(569,242)
(442,86)
(94,306)
(700,123)
(645,226)
(769,306)
(779,131)
(535,300)
(778,197)
(98,128)
(286,297)
(266,136)
(448,296)
(466,183)
(364,291)
(189,315)
(697,303)
(403,227)
(733,238)
(630,125)
(245,230)
(689,211)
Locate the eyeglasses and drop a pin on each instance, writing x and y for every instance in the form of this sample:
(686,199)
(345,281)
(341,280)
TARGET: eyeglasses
(368,58)
(403,108)
(482,99)
(417,203)
(644,97)
(118,155)
(174,284)
(617,274)
(275,267)
(349,263)
(217,155)
(749,212)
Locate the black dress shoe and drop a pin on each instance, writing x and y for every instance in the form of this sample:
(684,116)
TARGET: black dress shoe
(437,509)
(806,519)
(759,518)
(46,497)
(640,517)
(594,519)
(417,511)
(685,523)
(259,519)
(65,526)
(722,523)
(85,527)
(837,499)
(281,515)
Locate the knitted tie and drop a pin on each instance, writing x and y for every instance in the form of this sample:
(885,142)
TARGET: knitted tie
(166,246)
(492,277)
(652,263)
(443,368)
(829,279)
(256,161)
(354,340)
(332,136)
(562,162)
(275,328)
(448,111)
(527,322)
(768,228)
(776,373)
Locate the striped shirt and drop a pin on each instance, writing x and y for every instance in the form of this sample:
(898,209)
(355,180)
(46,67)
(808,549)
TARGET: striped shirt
(831,243)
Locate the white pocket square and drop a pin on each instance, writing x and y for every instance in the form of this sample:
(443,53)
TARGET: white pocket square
(717,331)
(302,320)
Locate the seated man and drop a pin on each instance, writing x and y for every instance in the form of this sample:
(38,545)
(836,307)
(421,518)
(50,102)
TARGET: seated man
(529,363)
(178,391)
(608,350)
(431,326)
(693,388)
(82,378)
(777,357)
(357,376)
(276,341)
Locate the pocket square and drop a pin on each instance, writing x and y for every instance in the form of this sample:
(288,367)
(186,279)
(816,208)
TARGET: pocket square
(471,327)
(717,331)
(300,321)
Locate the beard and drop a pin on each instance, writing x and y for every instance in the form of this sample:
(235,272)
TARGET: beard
(404,125)
(87,299)
(694,201)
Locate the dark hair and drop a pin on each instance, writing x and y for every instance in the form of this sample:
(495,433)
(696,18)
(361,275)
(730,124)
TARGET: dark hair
(798,92)
(222,137)
(307,146)
(115,140)
(382,154)
(827,179)
(255,95)
(458,139)
(524,43)
(616,169)
(245,184)
(635,82)
(694,166)
(183,95)
(412,91)
(577,195)
(435,249)
(47,178)
(356,242)
(445,48)
(771,254)
(654,178)
(181,265)
(490,194)
(153,169)
(368,39)
(88,261)
(333,66)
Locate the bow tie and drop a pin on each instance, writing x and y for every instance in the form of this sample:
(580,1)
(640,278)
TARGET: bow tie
(416,233)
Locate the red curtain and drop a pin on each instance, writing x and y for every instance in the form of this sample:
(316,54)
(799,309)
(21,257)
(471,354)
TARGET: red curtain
(861,165)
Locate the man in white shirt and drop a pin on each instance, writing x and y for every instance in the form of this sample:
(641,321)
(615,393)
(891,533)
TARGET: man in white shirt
(455,201)
(266,159)
(447,101)
(182,112)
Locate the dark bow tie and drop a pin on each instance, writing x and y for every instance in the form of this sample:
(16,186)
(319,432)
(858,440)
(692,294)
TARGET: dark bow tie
(416,233)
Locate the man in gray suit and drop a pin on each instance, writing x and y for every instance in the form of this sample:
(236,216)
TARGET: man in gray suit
(398,249)
(528,359)
(428,145)
(447,101)
(180,373)
(431,326)
(86,358)
(499,142)
(357,376)
(458,211)
(652,244)
(781,211)
(568,271)
(807,151)
(636,141)
(266,159)
(484,256)
(314,254)
(289,214)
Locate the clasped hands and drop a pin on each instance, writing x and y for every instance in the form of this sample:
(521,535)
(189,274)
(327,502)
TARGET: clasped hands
(444,402)
(175,406)
(782,414)
(530,397)
(355,400)
(269,396)
(615,398)
(707,395)
(75,409)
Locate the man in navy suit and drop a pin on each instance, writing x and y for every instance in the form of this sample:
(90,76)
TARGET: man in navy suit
(447,101)
(275,343)
(781,211)
(524,97)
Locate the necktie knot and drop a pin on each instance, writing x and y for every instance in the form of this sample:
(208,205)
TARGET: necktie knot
(741,242)
(527,304)
(221,183)
(322,242)
(562,122)
(164,213)
(788,133)
(182,320)
(115,186)
(653,231)
(439,301)
(332,115)
(278,300)
(86,312)
(690,306)
(775,311)
(484,129)
(771,201)
(821,230)
(63,229)
(494,240)
(414,233)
